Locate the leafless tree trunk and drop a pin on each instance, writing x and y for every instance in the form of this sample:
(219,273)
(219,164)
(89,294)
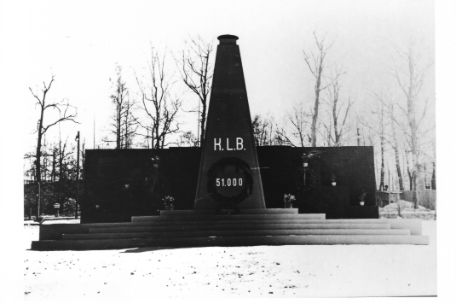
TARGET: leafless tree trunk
(299,123)
(44,107)
(124,123)
(54,164)
(267,132)
(410,83)
(382,148)
(118,101)
(337,122)
(394,145)
(263,130)
(160,107)
(62,169)
(129,124)
(197,75)
(280,137)
(410,172)
(44,155)
(377,130)
(63,154)
(315,62)
(390,138)
(328,135)
(260,130)
(188,139)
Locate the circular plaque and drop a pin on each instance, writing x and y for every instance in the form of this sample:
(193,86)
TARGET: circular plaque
(230,180)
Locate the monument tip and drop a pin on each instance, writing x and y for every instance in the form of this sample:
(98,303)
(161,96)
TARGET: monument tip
(228,39)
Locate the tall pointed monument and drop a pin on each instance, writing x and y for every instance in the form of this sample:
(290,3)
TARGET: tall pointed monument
(229,175)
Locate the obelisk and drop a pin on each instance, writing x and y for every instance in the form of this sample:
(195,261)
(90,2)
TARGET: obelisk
(229,175)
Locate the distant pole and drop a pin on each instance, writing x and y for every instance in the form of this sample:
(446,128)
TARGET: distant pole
(358,137)
(38,209)
(389,179)
(199,124)
(77,178)
(38,181)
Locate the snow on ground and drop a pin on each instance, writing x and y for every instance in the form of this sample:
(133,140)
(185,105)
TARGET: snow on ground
(259,271)
(405,209)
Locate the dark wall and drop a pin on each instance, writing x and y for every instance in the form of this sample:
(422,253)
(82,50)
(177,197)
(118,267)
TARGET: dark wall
(352,168)
(123,183)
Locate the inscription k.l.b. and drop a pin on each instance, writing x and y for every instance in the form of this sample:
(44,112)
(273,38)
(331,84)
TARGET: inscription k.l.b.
(229,144)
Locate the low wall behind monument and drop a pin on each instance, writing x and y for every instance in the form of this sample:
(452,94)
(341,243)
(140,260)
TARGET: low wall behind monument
(425,197)
(122,183)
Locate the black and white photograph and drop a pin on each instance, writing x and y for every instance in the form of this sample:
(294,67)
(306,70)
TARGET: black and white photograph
(180,150)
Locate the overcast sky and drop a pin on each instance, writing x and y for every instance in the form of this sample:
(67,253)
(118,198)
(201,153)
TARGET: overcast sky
(80,42)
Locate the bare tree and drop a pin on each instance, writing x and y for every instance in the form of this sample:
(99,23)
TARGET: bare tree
(46,160)
(299,125)
(63,161)
(160,106)
(316,64)
(124,123)
(339,113)
(281,137)
(395,146)
(382,146)
(54,164)
(129,124)
(188,139)
(386,124)
(65,114)
(267,132)
(410,82)
(62,155)
(118,99)
(376,128)
(196,74)
(262,130)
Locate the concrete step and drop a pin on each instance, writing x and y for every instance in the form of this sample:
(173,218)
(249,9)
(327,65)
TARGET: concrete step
(201,217)
(202,233)
(228,241)
(240,226)
(242,221)
(51,232)
(224,211)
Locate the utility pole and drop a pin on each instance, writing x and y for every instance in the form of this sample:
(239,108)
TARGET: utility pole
(358,137)
(38,211)
(199,125)
(77,178)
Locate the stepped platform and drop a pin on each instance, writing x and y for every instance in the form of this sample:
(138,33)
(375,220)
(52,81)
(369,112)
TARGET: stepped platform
(187,228)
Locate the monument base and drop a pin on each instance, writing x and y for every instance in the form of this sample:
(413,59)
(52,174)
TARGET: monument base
(188,228)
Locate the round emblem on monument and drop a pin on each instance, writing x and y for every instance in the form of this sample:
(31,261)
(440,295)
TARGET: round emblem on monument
(230,180)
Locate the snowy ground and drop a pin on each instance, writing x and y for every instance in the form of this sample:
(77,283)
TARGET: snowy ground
(404,209)
(261,271)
